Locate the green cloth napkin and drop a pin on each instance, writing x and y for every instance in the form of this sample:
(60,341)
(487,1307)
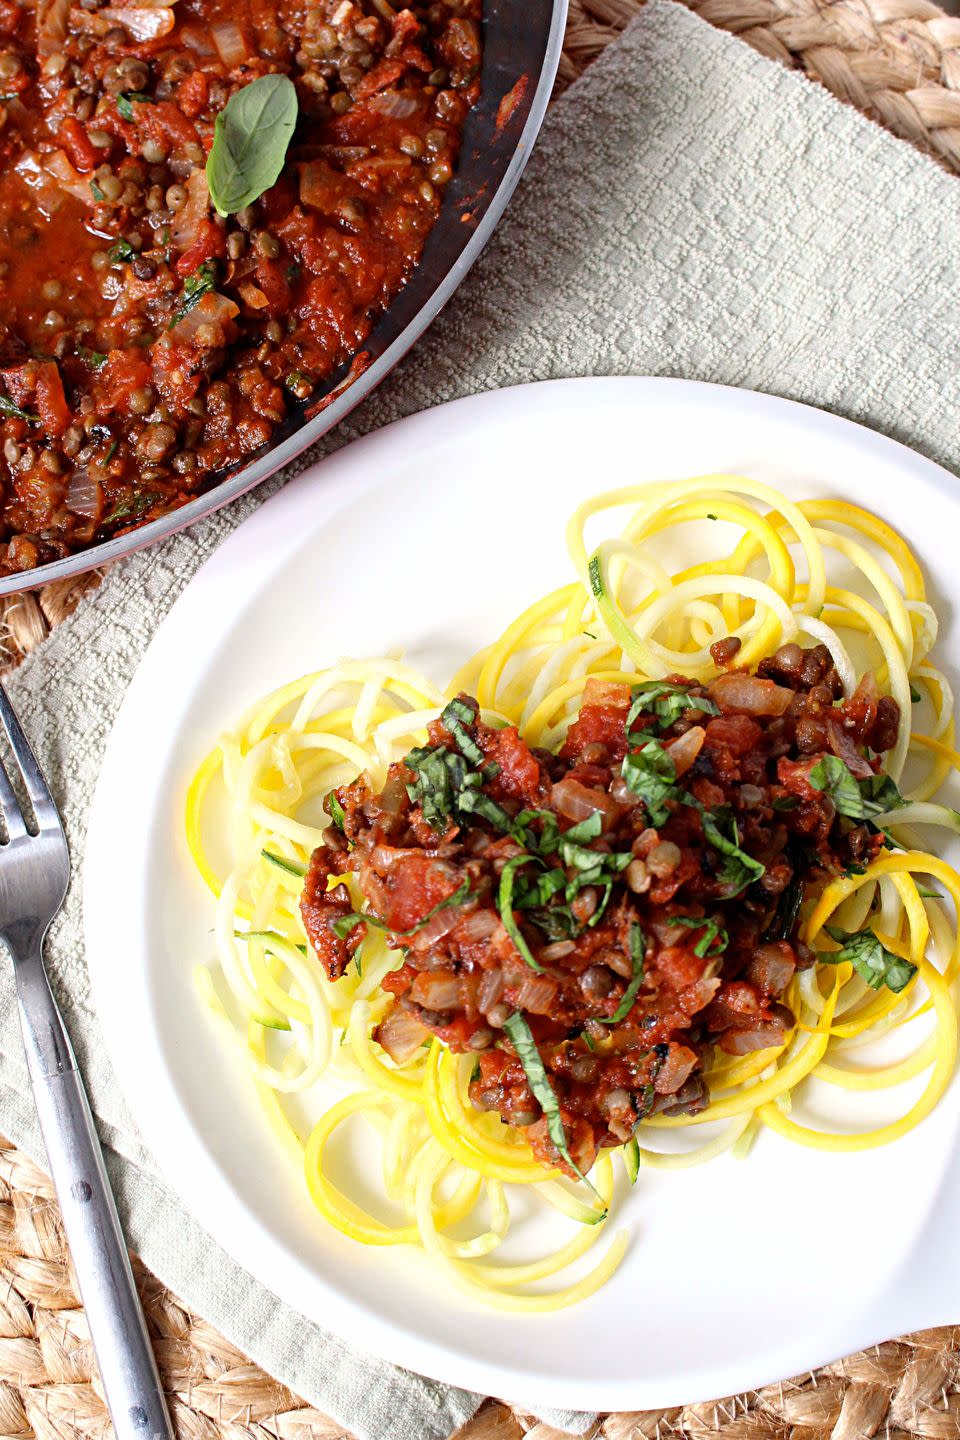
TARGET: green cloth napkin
(691,209)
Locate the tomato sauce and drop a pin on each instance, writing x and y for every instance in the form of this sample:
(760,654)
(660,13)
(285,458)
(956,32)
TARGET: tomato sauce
(613,912)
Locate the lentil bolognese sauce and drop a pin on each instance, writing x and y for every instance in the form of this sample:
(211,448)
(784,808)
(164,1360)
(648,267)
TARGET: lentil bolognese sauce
(649,863)
(157,327)
(625,902)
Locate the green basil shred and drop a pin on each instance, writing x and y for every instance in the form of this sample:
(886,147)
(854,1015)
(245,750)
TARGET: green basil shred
(543,1092)
(638,949)
(870,958)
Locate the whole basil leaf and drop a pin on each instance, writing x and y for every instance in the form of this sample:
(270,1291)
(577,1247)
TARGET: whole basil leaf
(250,142)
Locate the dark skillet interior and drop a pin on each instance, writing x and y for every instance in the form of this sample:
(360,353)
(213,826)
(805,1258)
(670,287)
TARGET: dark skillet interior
(522,40)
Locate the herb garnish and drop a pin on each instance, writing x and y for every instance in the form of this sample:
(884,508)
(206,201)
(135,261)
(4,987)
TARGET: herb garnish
(857,799)
(543,1092)
(650,773)
(714,939)
(915,696)
(738,869)
(505,907)
(638,949)
(870,958)
(128,98)
(96,192)
(121,252)
(7,407)
(250,142)
(133,505)
(666,701)
(96,358)
(346,923)
(200,283)
(454,717)
(336,810)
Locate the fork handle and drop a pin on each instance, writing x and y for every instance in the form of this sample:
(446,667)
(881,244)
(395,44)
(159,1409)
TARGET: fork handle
(125,1359)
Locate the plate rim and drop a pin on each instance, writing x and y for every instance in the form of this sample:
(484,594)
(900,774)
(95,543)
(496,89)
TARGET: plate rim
(354,1321)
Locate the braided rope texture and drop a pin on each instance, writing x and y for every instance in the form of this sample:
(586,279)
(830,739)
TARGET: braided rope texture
(899,62)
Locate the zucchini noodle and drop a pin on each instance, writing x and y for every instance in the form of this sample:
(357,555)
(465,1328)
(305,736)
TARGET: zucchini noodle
(451,1176)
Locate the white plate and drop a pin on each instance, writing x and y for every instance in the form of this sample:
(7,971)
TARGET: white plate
(430,535)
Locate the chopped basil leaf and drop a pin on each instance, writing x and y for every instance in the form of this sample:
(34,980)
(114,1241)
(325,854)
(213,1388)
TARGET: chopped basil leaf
(858,800)
(439,776)
(7,407)
(250,141)
(831,775)
(714,938)
(880,793)
(290,866)
(455,717)
(870,958)
(337,816)
(121,252)
(96,192)
(127,99)
(650,773)
(543,1092)
(928,894)
(200,283)
(133,505)
(96,358)
(473,801)
(346,923)
(785,803)
(915,695)
(638,949)
(505,907)
(738,869)
(665,700)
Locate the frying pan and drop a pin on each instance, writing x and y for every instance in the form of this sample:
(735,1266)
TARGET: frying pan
(522,43)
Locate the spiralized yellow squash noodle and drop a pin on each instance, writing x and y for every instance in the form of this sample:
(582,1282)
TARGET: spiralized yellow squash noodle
(822,571)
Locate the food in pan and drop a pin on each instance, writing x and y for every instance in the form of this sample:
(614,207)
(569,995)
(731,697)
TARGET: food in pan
(203,211)
(651,863)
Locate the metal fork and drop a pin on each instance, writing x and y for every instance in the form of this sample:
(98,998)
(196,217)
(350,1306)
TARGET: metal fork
(34,870)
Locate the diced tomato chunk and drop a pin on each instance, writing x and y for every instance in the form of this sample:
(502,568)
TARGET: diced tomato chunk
(193,94)
(210,245)
(73,138)
(51,401)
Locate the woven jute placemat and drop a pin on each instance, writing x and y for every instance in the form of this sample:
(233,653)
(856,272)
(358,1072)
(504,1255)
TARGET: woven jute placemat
(899,62)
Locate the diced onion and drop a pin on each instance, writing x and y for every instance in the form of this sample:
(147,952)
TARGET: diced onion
(185,225)
(750,695)
(84,496)
(52,25)
(685,750)
(394,104)
(213,309)
(578,802)
(143,22)
(401,1035)
(231,45)
(536,993)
